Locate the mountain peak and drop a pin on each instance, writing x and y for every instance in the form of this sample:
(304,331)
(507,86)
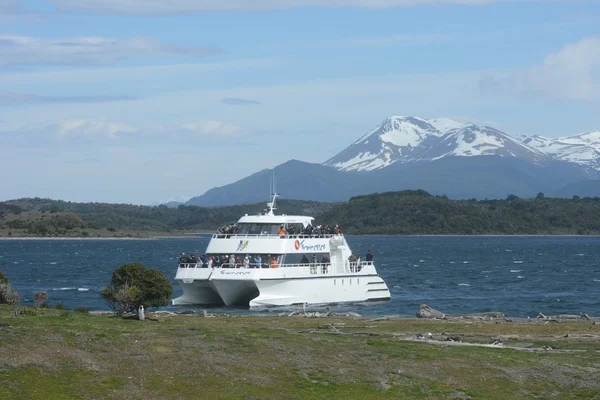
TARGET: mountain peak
(395,138)
(582,149)
(403,139)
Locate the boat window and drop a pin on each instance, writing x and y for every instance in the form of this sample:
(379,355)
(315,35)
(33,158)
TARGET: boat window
(244,229)
(255,229)
(272,229)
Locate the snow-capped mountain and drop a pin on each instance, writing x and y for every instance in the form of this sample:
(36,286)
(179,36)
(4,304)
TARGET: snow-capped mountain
(396,138)
(582,149)
(411,139)
(442,156)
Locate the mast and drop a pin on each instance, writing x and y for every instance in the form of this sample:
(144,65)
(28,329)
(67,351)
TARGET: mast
(273,197)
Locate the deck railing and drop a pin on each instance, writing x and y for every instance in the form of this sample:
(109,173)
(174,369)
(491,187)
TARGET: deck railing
(310,268)
(273,235)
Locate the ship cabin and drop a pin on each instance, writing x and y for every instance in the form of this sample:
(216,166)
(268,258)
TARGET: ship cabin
(273,241)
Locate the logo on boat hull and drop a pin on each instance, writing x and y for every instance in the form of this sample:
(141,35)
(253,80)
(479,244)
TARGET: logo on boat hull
(243,244)
(309,247)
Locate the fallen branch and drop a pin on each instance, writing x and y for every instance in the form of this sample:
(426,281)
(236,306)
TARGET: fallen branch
(427,312)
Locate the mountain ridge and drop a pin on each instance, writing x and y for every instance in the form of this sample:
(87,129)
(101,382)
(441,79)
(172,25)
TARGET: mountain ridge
(443,156)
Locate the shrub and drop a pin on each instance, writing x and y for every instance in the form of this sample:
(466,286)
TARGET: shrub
(3,279)
(132,285)
(40,299)
(12,297)
(4,288)
(81,310)
(60,306)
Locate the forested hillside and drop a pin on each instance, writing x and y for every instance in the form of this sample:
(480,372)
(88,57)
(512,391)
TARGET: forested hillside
(44,217)
(402,213)
(418,212)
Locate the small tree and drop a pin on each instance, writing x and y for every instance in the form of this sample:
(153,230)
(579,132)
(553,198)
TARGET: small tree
(40,299)
(4,287)
(540,196)
(13,298)
(3,279)
(132,285)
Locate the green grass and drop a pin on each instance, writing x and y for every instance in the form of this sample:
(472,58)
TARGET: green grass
(58,354)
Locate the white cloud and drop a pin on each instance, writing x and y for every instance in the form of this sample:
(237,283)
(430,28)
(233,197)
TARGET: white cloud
(191,6)
(88,50)
(100,127)
(573,73)
(213,128)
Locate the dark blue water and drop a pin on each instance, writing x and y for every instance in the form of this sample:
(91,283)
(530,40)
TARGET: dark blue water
(521,276)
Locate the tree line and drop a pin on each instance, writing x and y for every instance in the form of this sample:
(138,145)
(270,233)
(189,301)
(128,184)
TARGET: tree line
(410,212)
(418,212)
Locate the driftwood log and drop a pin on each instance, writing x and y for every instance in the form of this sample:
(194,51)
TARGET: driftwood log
(427,312)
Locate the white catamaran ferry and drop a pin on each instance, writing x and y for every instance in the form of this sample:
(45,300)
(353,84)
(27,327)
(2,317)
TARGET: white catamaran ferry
(278,260)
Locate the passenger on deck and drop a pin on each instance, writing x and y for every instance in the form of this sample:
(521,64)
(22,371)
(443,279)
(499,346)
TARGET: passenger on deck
(238,262)
(369,256)
(210,263)
(313,264)
(231,261)
(274,263)
(304,259)
(181,259)
(193,259)
(338,229)
(282,231)
(325,263)
(246,261)
(352,259)
(257,261)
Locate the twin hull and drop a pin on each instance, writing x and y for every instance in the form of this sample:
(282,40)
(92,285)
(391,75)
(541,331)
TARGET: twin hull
(278,287)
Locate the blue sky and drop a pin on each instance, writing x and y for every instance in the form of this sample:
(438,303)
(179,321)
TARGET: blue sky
(144,101)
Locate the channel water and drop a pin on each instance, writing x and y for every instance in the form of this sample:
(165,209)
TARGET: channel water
(521,276)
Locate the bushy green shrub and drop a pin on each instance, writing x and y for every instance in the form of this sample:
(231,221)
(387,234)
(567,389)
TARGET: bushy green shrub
(81,310)
(132,285)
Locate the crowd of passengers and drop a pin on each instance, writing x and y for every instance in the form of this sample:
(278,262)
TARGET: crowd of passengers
(230,261)
(308,230)
(262,261)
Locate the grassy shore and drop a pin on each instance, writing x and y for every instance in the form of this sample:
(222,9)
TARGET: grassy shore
(54,354)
